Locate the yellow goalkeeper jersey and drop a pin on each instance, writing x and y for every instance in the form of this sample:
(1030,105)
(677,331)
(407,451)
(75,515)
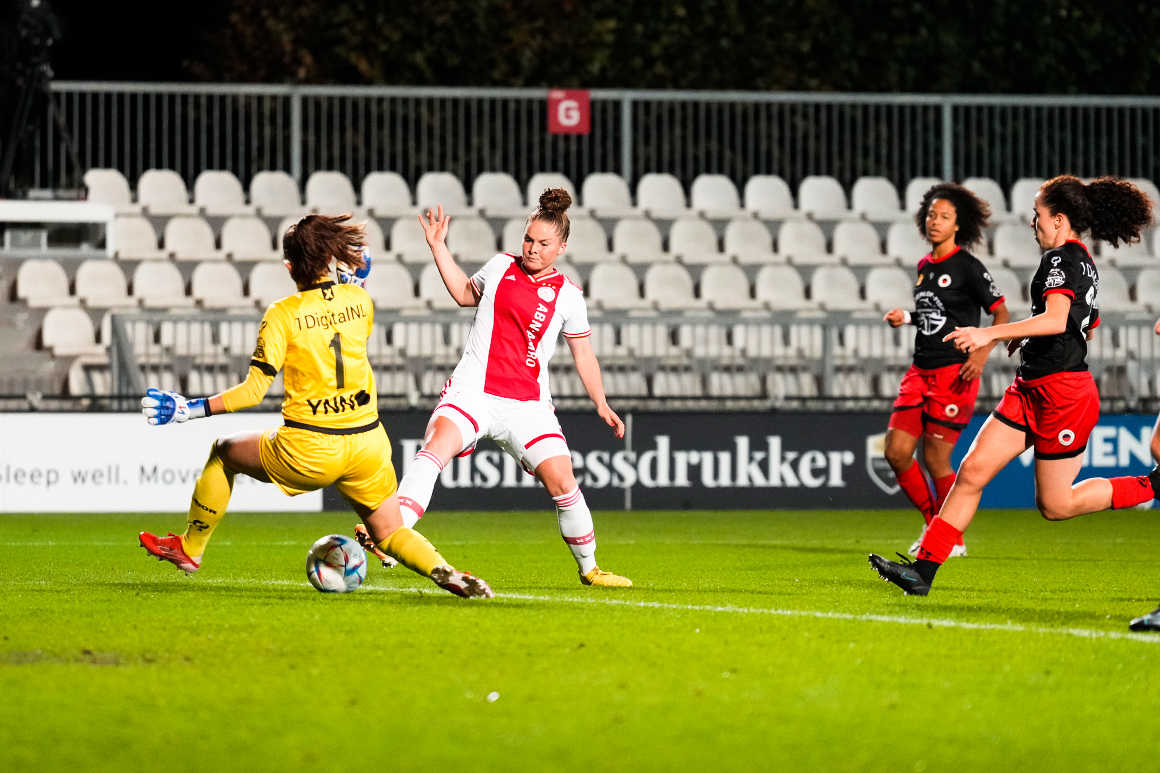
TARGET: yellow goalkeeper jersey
(318,336)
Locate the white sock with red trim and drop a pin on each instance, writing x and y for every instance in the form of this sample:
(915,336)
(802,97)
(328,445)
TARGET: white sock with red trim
(417,486)
(576,528)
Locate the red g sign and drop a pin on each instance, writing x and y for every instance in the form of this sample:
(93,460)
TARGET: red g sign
(569,112)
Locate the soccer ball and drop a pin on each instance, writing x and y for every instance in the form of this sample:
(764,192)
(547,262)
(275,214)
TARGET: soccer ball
(336,564)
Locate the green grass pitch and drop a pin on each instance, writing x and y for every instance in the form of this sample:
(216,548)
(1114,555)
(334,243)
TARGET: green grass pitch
(752,641)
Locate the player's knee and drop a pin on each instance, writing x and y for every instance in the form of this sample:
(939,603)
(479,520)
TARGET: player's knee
(1050,509)
(972,475)
(898,455)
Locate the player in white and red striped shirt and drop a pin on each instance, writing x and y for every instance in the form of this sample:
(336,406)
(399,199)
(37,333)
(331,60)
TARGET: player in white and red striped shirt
(500,388)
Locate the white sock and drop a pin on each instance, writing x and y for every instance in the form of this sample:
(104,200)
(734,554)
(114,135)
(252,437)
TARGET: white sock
(417,486)
(576,528)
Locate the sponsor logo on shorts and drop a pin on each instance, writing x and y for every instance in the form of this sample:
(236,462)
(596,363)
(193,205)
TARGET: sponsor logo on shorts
(1054,278)
(1066,437)
(546,294)
(944,280)
(952,410)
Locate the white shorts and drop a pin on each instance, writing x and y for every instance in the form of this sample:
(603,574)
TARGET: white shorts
(526,429)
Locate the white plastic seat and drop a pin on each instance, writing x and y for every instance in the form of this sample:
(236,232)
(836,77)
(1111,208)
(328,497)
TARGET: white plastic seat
(857,243)
(69,333)
(218,286)
(725,288)
(512,239)
(163,192)
(682,384)
(661,196)
(191,238)
(876,199)
(436,189)
(275,194)
(715,196)
(219,192)
(390,286)
(638,241)
(433,290)
(1148,187)
(1113,294)
(889,287)
(822,198)
(409,242)
(694,241)
(669,286)
(1129,255)
(606,194)
(769,197)
(781,289)
(587,242)
(903,241)
(542,181)
(1023,198)
(43,282)
(158,284)
(375,241)
(989,191)
(1012,289)
(471,239)
(248,238)
(386,194)
(1016,245)
(271,282)
(109,186)
(189,337)
(835,288)
(749,241)
(497,194)
(1148,289)
(614,286)
(330,193)
(802,241)
(916,189)
(724,384)
(566,268)
(101,284)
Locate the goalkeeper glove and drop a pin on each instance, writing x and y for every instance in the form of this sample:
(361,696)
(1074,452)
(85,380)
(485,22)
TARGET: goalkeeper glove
(358,276)
(169,407)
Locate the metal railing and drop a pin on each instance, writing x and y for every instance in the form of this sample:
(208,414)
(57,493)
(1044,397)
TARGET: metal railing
(301,129)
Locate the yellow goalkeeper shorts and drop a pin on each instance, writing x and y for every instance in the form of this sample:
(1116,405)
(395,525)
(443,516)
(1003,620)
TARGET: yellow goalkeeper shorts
(358,465)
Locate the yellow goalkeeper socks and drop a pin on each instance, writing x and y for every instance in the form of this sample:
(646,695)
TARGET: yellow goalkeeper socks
(211,495)
(412,550)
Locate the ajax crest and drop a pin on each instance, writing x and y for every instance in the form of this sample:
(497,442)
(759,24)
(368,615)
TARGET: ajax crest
(877,467)
(546,294)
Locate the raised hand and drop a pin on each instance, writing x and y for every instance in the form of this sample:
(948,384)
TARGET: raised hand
(435,226)
(349,276)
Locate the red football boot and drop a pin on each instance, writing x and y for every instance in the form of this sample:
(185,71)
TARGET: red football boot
(170,549)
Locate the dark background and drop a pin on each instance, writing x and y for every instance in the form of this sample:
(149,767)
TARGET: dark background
(1013,46)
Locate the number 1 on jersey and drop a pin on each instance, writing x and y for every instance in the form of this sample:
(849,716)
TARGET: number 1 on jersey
(339,370)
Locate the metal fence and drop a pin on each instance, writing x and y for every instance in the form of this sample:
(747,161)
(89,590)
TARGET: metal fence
(301,129)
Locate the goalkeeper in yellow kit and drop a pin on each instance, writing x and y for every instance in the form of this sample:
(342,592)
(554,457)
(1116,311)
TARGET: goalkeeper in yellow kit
(330,432)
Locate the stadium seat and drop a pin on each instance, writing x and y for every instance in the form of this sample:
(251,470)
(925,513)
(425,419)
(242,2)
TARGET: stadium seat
(270,282)
(163,192)
(989,191)
(803,242)
(1148,289)
(780,288)
(69,333)
(157,284)
(835,288)
(769,197)
(638,241)
(1016,245)
(444,189)
(669,286)
(141,334)
(497,194)
(188,337)
(375,241)
(471,239)
(87,378)
(725,288)
(41,283)
(1113,294)
(391,287)
(749,241)
(1008,283)
(715,196)
(191,238)
(1023,198)
(916,189)
(220,193)
(432,289)
(614,286)
(889,287)
(737,385)
(606,194)
(101,284)
(386,194)
(218,286)
(677,384)
(694,241)
(275,194)
(858,244)
(409,242)
(570,271)
(109,186)
(1137,255)
(821,197)
(661,196)
(587,242)
(903,241)
(512,239)
(876,200)
(330,193)
(542,181)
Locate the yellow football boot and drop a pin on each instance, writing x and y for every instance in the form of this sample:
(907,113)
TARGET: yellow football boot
(605,579)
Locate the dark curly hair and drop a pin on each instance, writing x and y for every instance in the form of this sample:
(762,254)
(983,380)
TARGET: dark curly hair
(1113,210)
(553,209)
(972,214)
(309,245)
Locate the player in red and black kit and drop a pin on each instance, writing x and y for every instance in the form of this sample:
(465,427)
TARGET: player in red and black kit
(1053,404)
(937,395)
